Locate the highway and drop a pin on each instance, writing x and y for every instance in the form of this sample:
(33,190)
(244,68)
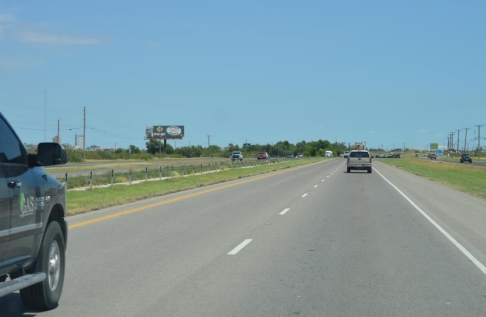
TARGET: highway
(307,241)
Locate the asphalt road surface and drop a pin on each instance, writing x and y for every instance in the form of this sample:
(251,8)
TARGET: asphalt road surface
(308,241)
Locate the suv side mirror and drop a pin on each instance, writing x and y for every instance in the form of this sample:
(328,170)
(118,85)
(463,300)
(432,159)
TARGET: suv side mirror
(50,153)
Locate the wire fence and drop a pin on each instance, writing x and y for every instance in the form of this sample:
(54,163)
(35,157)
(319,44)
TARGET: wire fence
(106,178)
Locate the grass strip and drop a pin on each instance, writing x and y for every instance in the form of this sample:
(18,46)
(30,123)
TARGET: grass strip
(463,177)
(99,198)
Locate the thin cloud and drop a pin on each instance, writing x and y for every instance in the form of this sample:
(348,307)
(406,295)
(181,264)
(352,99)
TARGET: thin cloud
(5,21)
(153,44)
(55,39)
(6,18)
(11,28)
(19,63)
(423,131)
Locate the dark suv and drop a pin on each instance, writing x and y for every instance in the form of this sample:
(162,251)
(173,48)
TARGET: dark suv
(33,229)
(466,157)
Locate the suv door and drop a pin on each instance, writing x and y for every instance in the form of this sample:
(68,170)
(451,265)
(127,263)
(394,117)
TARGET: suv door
(25,224)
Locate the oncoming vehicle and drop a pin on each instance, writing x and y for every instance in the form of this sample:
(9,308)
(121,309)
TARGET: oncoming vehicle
(33,229)
(466,157)
(263,156)
(236,156)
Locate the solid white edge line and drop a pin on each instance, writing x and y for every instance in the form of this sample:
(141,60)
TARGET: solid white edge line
(284,211)
(303,196)
(445,233)
(240,247)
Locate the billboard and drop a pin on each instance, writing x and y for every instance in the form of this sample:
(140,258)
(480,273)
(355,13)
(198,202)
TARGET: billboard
(434,146)
(164,132)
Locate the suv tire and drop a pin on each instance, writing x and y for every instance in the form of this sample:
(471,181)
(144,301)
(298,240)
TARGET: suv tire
(51,260)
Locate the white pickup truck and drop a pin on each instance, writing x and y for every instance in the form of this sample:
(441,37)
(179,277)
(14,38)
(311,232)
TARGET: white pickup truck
(359,160)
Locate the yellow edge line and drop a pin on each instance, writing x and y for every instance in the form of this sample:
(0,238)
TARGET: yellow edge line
(165,202)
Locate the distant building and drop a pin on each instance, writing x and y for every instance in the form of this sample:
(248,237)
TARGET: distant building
(56,139)
(79,141)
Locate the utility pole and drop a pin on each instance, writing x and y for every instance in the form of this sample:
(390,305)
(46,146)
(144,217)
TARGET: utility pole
(458,132)
(209,140)
(58,129)
(84,133)
(452,141)
(45,115)
(465,140)
(479,137)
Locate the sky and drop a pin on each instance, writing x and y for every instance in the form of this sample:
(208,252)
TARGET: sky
(390,73)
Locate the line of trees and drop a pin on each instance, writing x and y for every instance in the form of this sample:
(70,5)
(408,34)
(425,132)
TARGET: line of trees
(155,149)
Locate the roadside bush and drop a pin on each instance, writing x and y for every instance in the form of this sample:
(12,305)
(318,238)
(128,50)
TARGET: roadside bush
(74,155)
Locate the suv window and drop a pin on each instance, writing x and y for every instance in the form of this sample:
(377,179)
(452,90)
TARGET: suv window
(11,149)
(359,154)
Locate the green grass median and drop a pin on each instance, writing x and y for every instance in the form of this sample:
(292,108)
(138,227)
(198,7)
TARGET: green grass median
(81,201)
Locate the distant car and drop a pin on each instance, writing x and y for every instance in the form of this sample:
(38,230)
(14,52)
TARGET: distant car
(346,154)
(290,155)
(466,157)
(432,156)
(236,156)
(263,156)
(300,155)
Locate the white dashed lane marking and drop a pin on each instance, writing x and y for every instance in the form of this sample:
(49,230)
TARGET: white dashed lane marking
(240,247)
(284,211)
